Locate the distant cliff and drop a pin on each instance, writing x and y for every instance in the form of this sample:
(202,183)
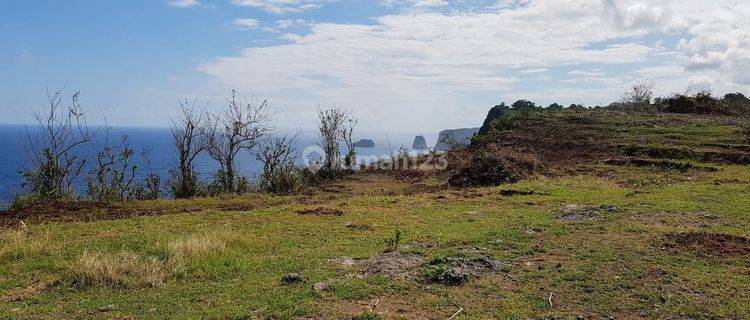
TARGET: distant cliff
(495,113)
(419,143)
(365,143)
(460,136)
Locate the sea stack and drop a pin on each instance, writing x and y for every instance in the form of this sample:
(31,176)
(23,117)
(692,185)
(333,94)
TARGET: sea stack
(419,143)
(365,143)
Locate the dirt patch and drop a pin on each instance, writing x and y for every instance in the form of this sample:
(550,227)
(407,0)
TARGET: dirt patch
(664,165)
(21,294)
(513,193)
(457,270)
(394,265)
(681,219)
(321,211)
(88,211)
(561,141)
(708,244)
(235,207)
(579,213)
(342,261)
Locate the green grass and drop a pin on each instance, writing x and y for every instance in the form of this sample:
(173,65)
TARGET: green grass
(612,266)
(224,257)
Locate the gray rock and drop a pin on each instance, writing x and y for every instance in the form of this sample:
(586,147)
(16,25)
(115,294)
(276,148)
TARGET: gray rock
(460,137)
(419,143)
(365,143)
(293,278)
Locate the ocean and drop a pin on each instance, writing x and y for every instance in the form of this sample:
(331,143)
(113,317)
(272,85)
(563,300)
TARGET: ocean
(162,157)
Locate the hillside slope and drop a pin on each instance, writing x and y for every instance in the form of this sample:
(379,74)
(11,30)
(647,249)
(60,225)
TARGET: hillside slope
(637,216)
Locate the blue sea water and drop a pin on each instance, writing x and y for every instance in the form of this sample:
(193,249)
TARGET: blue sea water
(161,154)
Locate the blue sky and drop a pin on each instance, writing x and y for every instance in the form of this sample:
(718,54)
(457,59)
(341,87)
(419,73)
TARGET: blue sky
(401,65)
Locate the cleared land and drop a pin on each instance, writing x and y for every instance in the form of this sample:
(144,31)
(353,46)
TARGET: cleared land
(630,229)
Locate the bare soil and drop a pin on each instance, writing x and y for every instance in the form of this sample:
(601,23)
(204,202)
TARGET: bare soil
(321,211)
(708,244)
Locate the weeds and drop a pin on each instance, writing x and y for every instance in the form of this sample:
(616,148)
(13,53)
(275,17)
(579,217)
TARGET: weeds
(392,243)
(367,315)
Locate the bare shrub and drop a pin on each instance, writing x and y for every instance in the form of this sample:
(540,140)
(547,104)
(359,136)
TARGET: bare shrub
(638,95)
(331,123)
(150,188)
(239,127)
(113,175)
(347,135)
(278,155)
(450,141)
(53,149)
(186,133)
(494,166)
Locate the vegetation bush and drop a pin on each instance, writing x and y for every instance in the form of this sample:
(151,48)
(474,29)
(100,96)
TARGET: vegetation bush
(501,117)
(736,103)
(636,97)
(24,200)
(699,103)
(287,180)
(494,166)
(52,151)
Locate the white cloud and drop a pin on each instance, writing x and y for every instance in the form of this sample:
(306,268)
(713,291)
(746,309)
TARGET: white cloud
(183,3)
(534,71)
(283,6)
(431,3)
(246,23)
(411,64)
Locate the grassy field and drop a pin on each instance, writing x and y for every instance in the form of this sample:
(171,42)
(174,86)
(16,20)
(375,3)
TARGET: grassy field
(622,241)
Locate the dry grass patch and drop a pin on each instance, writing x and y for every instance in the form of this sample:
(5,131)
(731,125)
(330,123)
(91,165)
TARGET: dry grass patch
(130,269)
(179,252)
(125,269)
(19,244)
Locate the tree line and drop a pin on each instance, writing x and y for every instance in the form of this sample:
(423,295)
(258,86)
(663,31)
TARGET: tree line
(242,128)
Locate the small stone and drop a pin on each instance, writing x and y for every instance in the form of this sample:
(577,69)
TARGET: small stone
(106,308)
(320,286)
(293,278)
(455,276)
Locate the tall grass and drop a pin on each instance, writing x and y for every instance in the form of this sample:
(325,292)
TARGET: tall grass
(21,244)
(130,269)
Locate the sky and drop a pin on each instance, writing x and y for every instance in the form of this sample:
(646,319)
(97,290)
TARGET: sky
(399,65)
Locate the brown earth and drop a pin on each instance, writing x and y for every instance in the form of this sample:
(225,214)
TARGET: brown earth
(708,244)
(321,211)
